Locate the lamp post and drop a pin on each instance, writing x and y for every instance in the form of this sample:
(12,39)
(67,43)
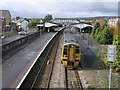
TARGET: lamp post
(80,26)
(88,40)
(88,36)
(26,27)
(2,27)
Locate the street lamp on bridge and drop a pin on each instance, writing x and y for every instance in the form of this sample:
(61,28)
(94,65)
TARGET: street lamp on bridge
(2,27)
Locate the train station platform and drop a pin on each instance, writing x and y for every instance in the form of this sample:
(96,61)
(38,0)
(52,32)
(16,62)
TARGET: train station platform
(14,68)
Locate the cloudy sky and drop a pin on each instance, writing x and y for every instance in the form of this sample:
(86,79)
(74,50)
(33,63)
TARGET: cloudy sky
(60,8)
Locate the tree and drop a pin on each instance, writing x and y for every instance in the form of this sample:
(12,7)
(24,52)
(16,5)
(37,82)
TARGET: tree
(33,23)
(96,32)
(116,42)
(47,18)
(116,64)
(108,37)
(96,29)
(97,25)
(103,35)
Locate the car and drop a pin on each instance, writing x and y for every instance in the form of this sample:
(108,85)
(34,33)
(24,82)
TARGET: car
(23,33)
(2,36)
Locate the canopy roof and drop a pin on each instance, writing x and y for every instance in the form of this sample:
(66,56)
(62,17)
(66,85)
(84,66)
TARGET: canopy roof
(40,25)
(82,25)
(47,24)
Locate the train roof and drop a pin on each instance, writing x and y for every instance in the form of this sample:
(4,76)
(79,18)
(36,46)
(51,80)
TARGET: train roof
(69,38)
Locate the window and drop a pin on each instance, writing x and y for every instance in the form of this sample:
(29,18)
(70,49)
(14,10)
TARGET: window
(65,51)
(77,46)
(77,50)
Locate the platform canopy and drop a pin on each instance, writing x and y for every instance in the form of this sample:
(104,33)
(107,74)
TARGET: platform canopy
(47,24)
(81,26)
(40,25)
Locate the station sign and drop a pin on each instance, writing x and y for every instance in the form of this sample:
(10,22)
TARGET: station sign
(111,53)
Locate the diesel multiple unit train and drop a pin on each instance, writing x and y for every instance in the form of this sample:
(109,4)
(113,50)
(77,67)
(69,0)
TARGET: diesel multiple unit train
(71,54)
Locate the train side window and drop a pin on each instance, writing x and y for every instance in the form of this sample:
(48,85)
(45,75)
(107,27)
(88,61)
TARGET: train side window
(77,50)
(65,51)
(65,46)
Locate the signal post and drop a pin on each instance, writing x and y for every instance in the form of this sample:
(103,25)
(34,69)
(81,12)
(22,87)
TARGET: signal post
(111,58)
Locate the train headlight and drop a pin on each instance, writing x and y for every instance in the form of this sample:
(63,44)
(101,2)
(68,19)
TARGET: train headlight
(76,56)
(72,46)
(76,60)
(65,55)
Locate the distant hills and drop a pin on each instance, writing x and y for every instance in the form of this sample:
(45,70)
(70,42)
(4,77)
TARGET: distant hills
(99,17)
(94,17)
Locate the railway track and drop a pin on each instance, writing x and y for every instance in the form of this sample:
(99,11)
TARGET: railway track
(79,83)
(44,75)
(72,80)
(40,74)
(66,78)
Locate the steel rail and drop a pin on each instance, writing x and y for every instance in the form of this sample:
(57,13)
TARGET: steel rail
(20,83)
(79,83)
(41,68)
(66,78)
(49,51)
(48,84)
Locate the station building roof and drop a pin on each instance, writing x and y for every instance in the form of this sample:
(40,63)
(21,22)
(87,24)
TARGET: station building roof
(40,25)
(82,25)
(47,24)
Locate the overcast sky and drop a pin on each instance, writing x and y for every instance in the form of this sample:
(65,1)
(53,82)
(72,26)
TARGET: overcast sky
(60,8)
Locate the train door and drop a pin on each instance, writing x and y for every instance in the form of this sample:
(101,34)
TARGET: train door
(71,53)
(77,56)
(65,55)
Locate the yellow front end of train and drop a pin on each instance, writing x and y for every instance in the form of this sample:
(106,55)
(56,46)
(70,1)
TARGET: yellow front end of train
(71,55)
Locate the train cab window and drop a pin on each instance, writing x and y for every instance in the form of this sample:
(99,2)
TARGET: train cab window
(65,46)
(65,51)
(65,40)
(77,50)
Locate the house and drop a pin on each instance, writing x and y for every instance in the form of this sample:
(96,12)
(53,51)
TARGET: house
(13,26)
(22,23)
(6,20)
(6,16)
(113,21)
